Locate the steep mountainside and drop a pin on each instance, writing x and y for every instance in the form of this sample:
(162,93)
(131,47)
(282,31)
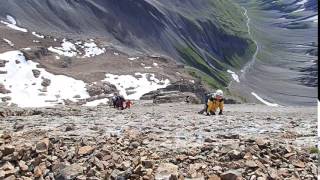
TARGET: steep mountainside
(267,49)
(285,67)
(209,35)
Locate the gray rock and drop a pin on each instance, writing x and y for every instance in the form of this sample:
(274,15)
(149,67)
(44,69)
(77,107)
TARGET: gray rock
(36,73)
(69,172)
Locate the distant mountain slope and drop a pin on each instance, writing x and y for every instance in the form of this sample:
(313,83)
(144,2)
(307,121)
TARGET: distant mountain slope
(209,35)
(285,70)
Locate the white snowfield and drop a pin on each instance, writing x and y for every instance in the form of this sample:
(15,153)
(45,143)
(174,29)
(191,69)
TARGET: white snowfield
(70,49)
(132,87)
(26,89)
(234,76)
(264,101)
(12,23)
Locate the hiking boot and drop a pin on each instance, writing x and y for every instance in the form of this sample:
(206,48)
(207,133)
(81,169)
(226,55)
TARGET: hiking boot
(213,113)
(220,113)
(207,114)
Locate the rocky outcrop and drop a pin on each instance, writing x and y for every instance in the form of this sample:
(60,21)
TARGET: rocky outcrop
(36,73)
(99,88)
(3,89)
(35,53)
(181,91)
(173,97)
(45,82)
(3,63)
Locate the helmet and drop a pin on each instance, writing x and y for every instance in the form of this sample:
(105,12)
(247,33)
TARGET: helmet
(219,92)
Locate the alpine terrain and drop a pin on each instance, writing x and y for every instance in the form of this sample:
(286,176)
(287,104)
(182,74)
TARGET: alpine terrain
(63,61)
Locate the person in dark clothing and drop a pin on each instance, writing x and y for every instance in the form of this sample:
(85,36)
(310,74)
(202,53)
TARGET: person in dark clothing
(120,102)
(114,100)
(207,96)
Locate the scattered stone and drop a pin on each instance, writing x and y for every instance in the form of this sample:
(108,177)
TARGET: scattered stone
(148,163)
(85,150)
(234,155)
(214,177)
(166,171)
(299,164)
(23,166)
(70,172)
(251,164)
(8,149)
(231,175)
(262,143)
(43,146)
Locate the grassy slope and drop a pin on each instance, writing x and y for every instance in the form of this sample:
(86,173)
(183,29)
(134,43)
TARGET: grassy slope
(229,20)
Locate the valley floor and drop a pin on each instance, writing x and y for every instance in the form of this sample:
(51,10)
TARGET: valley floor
(158,141)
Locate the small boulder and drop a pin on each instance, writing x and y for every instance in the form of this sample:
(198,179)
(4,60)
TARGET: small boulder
(36,73)
(85,150)
(214,177)
(69,172)
(43,146)
(23,166)
(299,164)
(231,175)
(166,171)
(251,164)
(45,82)
(8,149)
(147,163)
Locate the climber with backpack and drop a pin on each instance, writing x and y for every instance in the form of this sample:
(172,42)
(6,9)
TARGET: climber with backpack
(216,101)
(207,96)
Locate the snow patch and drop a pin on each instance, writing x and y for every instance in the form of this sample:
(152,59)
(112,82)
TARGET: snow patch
(155,64)
(91,49)
(234,76)
(133,58)
(97,102)
(38,35)
(70,50)
(26,89)
(9,42)
(133,87)
(67,49)
(264,101)
(12,23)
(148,67)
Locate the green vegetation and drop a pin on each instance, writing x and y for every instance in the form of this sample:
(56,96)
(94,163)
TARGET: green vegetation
(232,47)
(314,150)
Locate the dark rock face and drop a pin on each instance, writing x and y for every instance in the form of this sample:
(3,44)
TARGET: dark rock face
(101,88)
